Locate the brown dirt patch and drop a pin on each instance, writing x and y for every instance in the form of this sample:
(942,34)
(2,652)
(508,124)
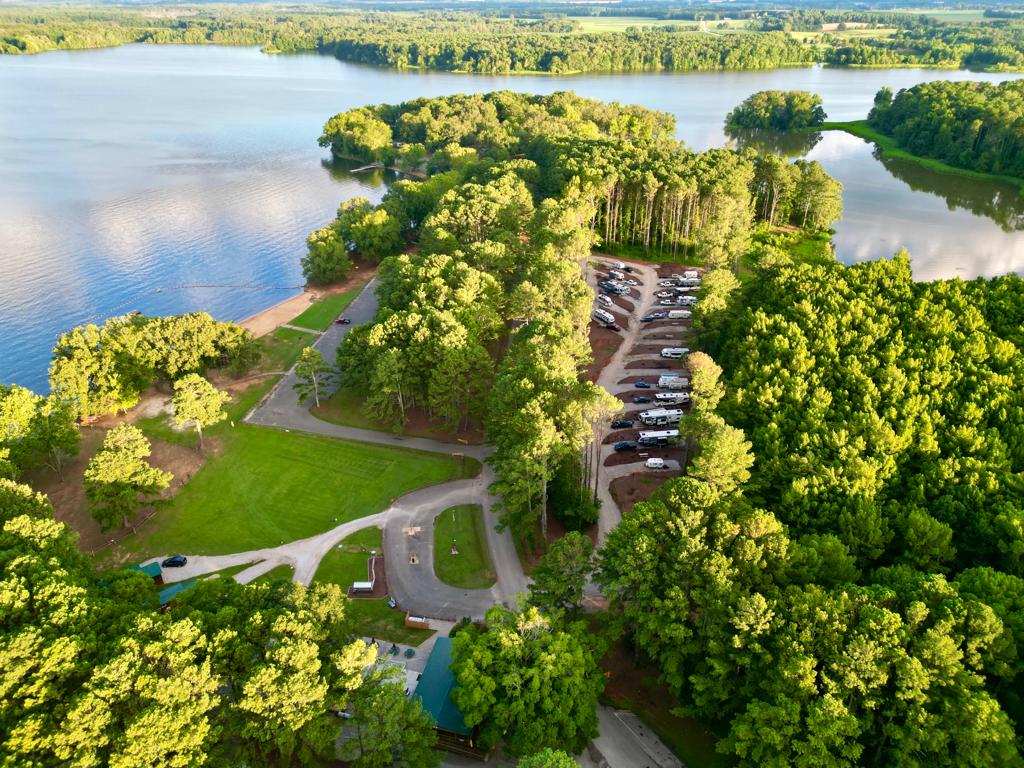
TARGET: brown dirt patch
(640,455)
(667,270)
(621,434)
(632,489)
(623,303)
(380,580)
(68,497)
(604,343)
(657,365)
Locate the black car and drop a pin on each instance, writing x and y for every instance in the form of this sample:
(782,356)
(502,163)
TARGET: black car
(613,327)
(641,384)
(174,561)
(622,424)
(625,445)
(641,399)
(627,268)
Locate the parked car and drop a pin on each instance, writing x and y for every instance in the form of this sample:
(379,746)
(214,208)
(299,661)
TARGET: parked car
(625,445)
(626,268)
(667,303)
(631,281)
(622,424)
(642,384)
(641,399)
(613,327)
(664,294)
(666,283)
(342,321)
(655,463)
(174,561)
(652,316)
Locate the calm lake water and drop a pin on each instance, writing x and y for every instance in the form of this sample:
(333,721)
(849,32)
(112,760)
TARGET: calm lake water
(130,172)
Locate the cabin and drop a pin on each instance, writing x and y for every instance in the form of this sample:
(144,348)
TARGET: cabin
(152,570)
(168,595)
(434,692)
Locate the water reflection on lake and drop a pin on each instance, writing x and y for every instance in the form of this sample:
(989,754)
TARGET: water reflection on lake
(144,167)
(952,226)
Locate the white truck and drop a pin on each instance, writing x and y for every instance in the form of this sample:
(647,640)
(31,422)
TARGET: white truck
(674,353)
(661,416)
(654,463)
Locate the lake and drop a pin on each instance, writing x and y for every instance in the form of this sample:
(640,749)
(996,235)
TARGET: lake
(148,177)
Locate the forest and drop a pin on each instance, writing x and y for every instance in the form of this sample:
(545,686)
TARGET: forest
(976,126)
(847,588)
(503,40)
(776,111)
(487,320)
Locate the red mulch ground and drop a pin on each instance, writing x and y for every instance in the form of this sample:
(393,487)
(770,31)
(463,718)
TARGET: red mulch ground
(667,270)
(603,343)
(380,584)
(658,364)
(640,455)
(632,489)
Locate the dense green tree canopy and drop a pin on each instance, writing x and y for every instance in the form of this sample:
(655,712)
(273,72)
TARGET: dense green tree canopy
(528,681)
(976,126)
(776,111)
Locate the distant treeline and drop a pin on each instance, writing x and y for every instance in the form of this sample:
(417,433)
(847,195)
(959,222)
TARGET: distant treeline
(978,126)
(486,42)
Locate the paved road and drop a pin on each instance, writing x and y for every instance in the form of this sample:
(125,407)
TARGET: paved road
(414,586)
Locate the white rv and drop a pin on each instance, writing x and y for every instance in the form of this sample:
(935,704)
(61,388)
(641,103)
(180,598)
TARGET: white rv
(602,316)
(672,398)
(661,416)
(679,314)
(660,437)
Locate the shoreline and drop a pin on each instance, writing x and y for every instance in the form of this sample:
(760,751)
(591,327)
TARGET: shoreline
(273,317)
(888,146)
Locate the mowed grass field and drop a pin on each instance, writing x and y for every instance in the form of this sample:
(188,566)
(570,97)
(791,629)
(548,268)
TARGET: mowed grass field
(346,563)
(320,315)
(472,567)
(265,487)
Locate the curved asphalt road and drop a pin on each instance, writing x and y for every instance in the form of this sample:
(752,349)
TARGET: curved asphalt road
(408,523)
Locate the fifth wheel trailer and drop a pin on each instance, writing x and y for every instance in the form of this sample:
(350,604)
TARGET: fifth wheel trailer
(659,416)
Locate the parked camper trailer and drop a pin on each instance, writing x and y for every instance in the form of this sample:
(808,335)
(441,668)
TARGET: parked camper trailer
(661,416)
(602,316)
(672,398)
(672,378)
(660,437)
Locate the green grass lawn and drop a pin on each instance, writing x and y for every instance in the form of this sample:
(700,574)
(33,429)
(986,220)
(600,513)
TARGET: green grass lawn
(280,573)
(373,618)
(265,487)
(346,562)
(322,313)
(282,348)
(345,407)
(471,568)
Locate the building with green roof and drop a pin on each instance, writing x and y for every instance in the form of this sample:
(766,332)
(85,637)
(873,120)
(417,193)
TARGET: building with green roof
(434,692)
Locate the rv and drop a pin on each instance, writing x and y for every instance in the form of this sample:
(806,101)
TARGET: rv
(691,274)
(655,463)
(661,437)
(665,378)
(679,314)
(672,398)
(674,384)
(674,353)
(661,416)
(614,273)
(602,316)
